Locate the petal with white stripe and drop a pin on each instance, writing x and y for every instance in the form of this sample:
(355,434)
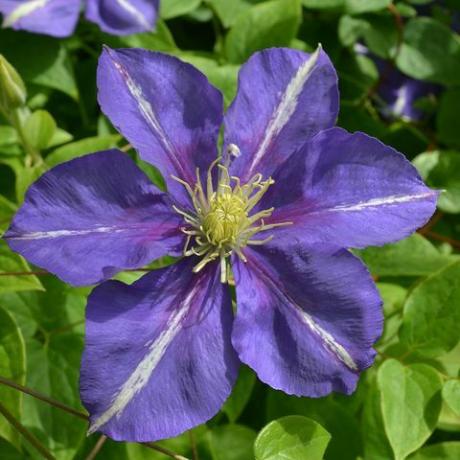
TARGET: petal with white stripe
(307,318)
(158,358)
(165,108)
(123,17)
(349,190)
(91,217)
(50,17)
(284,97)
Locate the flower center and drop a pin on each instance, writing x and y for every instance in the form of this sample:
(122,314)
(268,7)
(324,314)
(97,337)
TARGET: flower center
(221,222)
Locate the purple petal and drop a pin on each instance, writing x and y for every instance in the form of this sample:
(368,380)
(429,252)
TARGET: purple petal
(284,97)
(349,190)
(123,17)
(307,319)
(86,219)
(50,17)
(400,93)
(158,357)
(167,110)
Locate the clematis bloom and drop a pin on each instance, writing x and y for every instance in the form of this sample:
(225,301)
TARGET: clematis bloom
(273,214)
(59,18)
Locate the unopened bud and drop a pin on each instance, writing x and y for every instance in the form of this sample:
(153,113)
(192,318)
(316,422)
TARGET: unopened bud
(12,89)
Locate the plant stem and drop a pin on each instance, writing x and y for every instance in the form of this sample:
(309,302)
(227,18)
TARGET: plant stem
(165,451)
(97,447)
(25,433)
(191,435)
(76,413)
(42,397)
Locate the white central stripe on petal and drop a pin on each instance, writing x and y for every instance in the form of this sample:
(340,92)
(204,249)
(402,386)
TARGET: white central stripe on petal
(144,370)
(287,105)
(131,9)
(375,202)
(24,9)
(59,233)
(328,339)
(148,113)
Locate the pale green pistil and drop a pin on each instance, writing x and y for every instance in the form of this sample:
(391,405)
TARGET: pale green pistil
(221,222)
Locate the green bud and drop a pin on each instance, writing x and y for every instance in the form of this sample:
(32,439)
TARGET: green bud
(12,89)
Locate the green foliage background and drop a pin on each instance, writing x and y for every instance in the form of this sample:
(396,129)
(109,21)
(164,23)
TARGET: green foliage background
(408,404)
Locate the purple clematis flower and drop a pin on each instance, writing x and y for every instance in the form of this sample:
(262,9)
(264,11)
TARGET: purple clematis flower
(58,18)
(398,92)
(273,214)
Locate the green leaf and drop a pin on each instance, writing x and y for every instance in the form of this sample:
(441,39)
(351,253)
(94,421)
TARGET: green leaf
(430,51)
(159,40)
(442,451)
(39,59)
(447,118)
(451,395)
(7,210)
(393,297)
(9,452)
(410,403)
(231,442)
(432,313)
(8,135)
(378,32)
(241,394)
(172,8)
(81,147)
(334,416)
(440,170)
(272,23)
(413,256)
(224,78)
(14,263)
(40,129)
(53,369)
(228,11)
(365,6)
(375,441)
(323,4)
(12,366)
(292,438)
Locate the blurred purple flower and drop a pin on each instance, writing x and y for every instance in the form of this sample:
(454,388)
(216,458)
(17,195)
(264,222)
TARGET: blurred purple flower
(58,18)
(273,214)
(398,92)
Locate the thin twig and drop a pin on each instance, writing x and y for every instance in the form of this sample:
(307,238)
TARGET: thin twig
(70,410)
(17,425)
(42,397)
(432,222)
(97,447)
(191,435)
(165,451)
(444,239)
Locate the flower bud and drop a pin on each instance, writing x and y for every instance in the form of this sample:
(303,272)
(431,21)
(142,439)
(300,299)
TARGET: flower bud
(12,89)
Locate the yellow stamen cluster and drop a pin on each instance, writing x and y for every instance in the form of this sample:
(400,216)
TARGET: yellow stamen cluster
(220,223)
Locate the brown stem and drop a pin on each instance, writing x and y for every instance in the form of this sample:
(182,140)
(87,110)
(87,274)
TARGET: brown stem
(444,239)
(70,410)
(25,432)
(191,435)
(97,447)
(165,451)
(399,26)
(432,222)
(42,397)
